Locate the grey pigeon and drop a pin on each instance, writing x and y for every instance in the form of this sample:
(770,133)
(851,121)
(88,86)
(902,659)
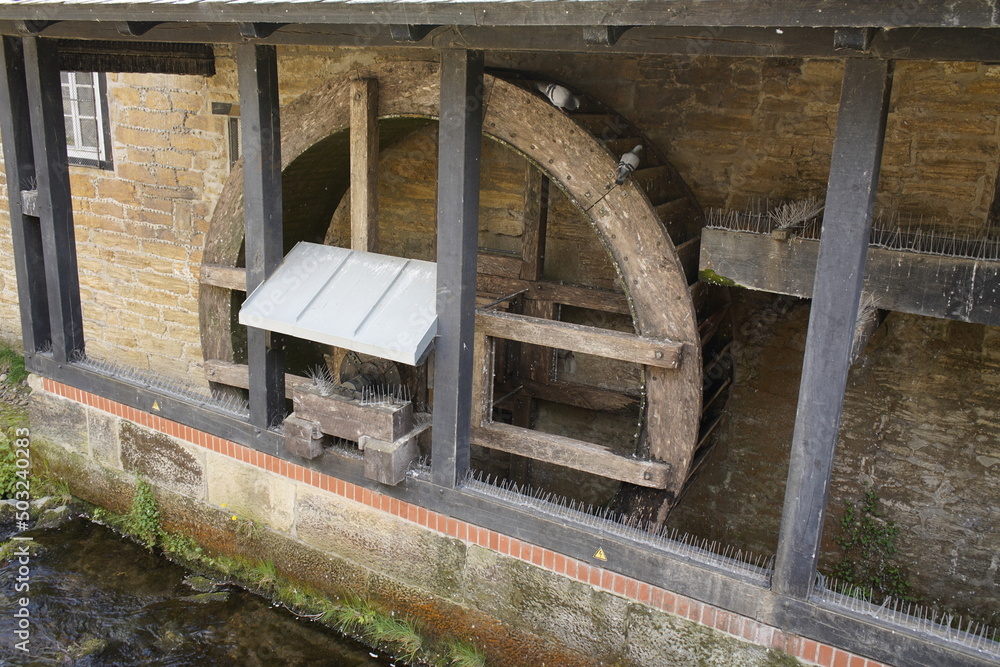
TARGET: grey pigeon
(627,164)
(560,96)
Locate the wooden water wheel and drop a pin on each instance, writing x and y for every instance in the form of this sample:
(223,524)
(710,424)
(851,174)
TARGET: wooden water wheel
(650,227)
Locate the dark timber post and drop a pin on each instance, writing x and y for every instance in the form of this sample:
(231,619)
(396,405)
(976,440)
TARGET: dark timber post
(259,112)
(850,199)
(459,137)
(55,207)
(26,232)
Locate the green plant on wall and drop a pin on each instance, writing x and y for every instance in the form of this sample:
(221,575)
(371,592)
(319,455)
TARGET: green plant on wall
(868,545)
(143,520)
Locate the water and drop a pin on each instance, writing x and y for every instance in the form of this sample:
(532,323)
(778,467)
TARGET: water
(96,599)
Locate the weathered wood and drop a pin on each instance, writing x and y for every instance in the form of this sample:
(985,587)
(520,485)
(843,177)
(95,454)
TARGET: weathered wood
(364,164)
(410,33)
(135,28)
(229,277)
(26,233)
(387,462)
(681,219)
(658,184)
(850,200)
(238,375)
(482,379)
(259,29)
(955,288)
(257,67)
(134,56)
(575,454)
(603,35)
(507,266)
(619,345)
(535,222)
(459,145)
(304,437)
(349,418)
(55,206)
(593,298)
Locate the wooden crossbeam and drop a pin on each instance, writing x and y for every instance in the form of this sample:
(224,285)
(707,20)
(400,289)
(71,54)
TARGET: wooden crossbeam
(238,375)
(364,164)
(572,453)
(578,338)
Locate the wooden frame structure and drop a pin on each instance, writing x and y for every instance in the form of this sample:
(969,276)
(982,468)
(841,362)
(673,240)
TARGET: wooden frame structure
(51,318)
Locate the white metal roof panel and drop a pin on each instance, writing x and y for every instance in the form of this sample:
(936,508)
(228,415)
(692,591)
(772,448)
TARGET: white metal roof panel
(362,301)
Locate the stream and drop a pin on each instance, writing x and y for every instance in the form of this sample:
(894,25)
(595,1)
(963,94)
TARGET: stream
(98,599)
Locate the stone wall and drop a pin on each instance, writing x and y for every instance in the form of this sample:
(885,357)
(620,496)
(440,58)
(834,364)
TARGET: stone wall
(522,604)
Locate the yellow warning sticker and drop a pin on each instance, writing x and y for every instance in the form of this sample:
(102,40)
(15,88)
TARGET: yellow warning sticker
(600,554)
(156,406)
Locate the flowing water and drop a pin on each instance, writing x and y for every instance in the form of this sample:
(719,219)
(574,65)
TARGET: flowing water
(97,599)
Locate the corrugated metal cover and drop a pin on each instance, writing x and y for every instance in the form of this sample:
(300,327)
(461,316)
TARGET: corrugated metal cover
(362,301)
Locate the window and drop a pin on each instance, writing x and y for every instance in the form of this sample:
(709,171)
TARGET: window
(85,111)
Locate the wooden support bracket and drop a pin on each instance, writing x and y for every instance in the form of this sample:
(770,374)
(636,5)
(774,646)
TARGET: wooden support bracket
(303,437)
(32,27)
(259,30)
(349,418)
(387,462)
(135,28)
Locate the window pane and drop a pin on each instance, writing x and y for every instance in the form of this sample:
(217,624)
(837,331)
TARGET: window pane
(70,135)
(88,132)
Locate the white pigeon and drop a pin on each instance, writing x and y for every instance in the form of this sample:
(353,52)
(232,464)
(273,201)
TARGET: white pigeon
(560,96)
(627,164)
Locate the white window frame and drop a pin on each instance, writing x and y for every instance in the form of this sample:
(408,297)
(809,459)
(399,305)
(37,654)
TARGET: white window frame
(78,153)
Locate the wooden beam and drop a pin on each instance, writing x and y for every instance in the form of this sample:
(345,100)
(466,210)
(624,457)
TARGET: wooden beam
(607,301)
(603,35)
(535,222)
(259,29)
(135,28)
(364,164)
(571,453)
(55,205)
(955,288)
(460,137)
(578,338)
(257,66)
(121,55)
(579,395)
(229,277)
(850,200)
(33,27)
(238,375)
(26,233)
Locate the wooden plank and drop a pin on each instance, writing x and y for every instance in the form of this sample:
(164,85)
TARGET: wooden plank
(681,219)
(850,201)
(364,164)
(229,277)
(956,288)
(459,144)
(238,375)
(659,183)
(55,206)
(26,232)
(619,345)
(575,454)
(257,67)
(535,219)
(482,380)
(593,298)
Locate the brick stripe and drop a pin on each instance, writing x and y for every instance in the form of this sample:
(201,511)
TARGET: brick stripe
(738,626)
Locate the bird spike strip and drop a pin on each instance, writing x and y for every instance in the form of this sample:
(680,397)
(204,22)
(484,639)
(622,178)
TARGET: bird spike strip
(731,559)
(890,230)
(966,632)
(218,400)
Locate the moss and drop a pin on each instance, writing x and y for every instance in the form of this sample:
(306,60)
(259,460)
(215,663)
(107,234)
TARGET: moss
(712,278)
(778,658)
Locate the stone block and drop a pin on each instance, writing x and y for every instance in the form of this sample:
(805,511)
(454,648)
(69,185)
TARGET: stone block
(386,543)
(386,462)
(59,420)
(251,493)
(163,460)
(103,430)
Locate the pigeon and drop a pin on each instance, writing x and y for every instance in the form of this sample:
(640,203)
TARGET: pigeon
(627,164)
(560,96)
